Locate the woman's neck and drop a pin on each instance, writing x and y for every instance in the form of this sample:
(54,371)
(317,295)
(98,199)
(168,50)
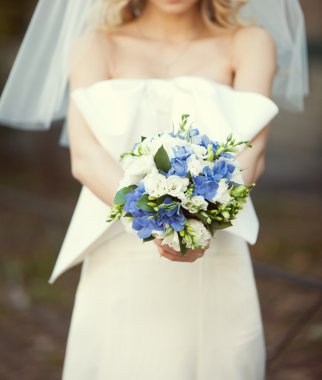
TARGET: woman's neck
(170,27)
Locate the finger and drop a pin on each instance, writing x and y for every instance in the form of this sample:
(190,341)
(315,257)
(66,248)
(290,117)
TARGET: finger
(169,249)
(160,250)
(168,256)
(197,252)
(190,254)
(172,254)
(174,257)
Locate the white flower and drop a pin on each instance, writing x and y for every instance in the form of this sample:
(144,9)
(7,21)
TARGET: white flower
(128,180)
(236,175)
(222,195)
(157,234)
(168,142)
(135,168)
(127,223)
(195,165)
(139,166)
(172,241)
(143,147)
(109,213)
(200,233)
(155,183)
(154,145)
(199,151)
(195,204)
(176,186)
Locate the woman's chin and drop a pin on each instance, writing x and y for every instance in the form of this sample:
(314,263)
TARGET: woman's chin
(174,6)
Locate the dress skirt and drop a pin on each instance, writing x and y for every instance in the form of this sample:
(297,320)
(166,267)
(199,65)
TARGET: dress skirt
(139,316)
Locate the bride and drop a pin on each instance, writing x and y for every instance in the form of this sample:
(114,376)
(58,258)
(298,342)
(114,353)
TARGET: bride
(168,40)
(143,311)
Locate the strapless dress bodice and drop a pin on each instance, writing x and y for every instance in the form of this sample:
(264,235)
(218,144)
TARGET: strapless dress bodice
(120,111)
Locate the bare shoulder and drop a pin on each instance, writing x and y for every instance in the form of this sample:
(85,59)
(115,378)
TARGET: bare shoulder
(254,59)
(251,33)
(88,58)
(254,39)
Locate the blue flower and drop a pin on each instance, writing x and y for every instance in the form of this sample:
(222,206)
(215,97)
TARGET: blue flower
(194,132)
(225,168)
(226,155)
(174,216)
(142,221)
(145,225)
(131,200)
(206,184)
(179,134)
(178,163)
(206,141)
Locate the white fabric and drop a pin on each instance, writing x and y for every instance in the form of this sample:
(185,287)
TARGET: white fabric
(36,92)
(138,316)
(120,111)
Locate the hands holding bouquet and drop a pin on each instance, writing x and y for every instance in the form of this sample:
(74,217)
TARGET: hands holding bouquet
(180,187)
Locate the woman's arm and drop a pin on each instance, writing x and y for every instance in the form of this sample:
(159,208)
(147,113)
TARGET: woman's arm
(254,63)
(90,163)
(254,66)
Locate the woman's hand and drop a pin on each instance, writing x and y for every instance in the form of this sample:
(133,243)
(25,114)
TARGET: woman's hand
(190,256)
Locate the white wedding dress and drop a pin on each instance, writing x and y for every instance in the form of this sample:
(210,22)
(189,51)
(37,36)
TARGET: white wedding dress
(139,316)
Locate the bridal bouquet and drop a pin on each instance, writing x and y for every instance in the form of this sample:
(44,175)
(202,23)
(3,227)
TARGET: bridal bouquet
(180,187)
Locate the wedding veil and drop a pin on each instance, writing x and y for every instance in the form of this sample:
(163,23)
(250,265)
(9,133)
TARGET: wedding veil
(36,92)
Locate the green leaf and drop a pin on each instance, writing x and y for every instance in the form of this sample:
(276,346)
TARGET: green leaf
(119,198)
(142,203)
(162,160)
(148,239)
(202,218)
(238,191)
(183,247)
(161,199)
(214,226)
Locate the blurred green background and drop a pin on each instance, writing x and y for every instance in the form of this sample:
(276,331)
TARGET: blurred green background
(38,196)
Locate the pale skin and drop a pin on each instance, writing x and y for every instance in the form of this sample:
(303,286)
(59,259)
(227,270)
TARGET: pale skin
(169,39)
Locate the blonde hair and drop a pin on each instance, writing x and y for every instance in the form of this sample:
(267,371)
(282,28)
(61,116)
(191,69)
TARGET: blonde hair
(109,14)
